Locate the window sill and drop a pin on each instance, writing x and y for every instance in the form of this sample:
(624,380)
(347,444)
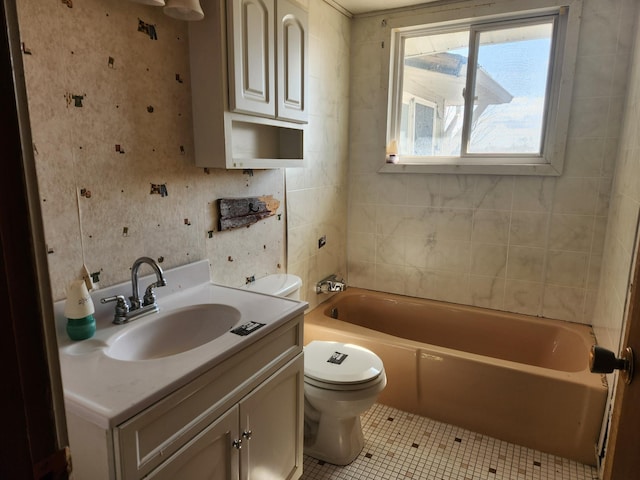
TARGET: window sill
(542,169)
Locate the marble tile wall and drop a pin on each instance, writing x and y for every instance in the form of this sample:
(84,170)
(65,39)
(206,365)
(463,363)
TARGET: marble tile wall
(110,109)
(621,236)
(317,194)
(529,244)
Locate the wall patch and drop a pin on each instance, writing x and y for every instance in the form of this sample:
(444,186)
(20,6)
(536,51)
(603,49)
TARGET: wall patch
(243,212)
(159,189)
(148,29)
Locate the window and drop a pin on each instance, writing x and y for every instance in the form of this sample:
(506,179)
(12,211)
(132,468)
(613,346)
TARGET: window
(482,94)
(417,125)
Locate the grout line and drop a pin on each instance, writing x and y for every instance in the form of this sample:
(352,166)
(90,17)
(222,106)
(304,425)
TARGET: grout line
(400,445)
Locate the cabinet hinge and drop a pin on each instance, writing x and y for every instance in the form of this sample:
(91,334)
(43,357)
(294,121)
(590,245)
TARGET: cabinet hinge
(57,466)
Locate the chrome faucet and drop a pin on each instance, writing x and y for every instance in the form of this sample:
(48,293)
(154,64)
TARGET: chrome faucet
(331,284)
(149,295)
(126,312)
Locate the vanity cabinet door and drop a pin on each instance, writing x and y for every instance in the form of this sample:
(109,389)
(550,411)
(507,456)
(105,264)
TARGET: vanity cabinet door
(292,59)
(208,456)
(252,56)
(271,424)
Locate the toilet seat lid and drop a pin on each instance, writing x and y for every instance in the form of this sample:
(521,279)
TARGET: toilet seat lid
(336,363)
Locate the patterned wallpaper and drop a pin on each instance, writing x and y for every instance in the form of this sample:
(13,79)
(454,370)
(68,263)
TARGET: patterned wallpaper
(110,106)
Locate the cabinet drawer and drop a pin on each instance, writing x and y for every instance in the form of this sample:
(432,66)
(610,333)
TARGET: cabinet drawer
(150,437)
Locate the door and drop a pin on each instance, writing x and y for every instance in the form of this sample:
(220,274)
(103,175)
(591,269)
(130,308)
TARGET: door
(251,49)
(209,455)
(621,459)
(34,431)
(291,43)
(271,424)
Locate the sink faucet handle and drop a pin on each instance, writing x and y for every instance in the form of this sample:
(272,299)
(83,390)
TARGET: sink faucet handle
(150,295)
(122,308)
(121,302)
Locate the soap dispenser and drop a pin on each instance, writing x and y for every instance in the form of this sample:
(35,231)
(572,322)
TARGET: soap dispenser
(79,311)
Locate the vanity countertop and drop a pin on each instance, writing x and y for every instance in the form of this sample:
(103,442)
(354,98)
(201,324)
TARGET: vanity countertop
(107,391)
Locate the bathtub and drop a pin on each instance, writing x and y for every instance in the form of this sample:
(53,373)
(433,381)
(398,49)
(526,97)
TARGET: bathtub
(514,377)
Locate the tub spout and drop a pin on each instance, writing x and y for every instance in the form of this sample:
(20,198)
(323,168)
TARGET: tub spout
(331,284)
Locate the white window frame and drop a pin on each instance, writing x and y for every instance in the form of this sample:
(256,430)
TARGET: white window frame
(560,87)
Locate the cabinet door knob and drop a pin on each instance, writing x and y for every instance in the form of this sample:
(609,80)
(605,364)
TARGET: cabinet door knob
(247,434)
(237,444)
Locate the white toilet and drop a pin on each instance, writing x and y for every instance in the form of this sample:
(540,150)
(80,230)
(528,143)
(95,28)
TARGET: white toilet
(341,381)
(280,285)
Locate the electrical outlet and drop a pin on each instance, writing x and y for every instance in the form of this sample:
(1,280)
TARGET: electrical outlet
(322,241)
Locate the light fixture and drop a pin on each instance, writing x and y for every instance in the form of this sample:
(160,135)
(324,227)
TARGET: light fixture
(184,9)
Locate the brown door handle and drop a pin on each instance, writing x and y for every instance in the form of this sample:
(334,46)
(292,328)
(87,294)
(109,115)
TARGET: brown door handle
(602,360)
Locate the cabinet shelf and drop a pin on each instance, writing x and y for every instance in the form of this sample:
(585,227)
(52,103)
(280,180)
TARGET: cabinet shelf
(260,143)
(269,137)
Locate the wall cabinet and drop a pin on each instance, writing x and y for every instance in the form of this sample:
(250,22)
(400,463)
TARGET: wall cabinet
(249,62)
(269,67)
(252,54)
(241,420)
(292,59)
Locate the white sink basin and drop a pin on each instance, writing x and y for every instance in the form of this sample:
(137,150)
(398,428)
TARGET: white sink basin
(173,332)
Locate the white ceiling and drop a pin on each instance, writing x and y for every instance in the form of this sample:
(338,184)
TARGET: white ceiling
(364,6)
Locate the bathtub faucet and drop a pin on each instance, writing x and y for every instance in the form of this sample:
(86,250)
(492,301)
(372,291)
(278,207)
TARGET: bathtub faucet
(331,284)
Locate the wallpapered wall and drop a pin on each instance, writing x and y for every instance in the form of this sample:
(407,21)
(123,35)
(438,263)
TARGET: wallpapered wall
(110,107)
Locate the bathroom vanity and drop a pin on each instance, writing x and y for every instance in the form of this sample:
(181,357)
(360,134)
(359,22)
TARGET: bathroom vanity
(231,408)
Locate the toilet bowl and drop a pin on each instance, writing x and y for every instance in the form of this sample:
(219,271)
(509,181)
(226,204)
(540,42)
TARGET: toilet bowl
(341,381)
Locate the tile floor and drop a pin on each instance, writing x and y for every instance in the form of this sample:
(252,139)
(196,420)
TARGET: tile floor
(399,445)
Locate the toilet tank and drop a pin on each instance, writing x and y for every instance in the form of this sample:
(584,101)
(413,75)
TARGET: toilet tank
(281,285)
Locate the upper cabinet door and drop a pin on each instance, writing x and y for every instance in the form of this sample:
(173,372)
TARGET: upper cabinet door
(292,58)
(252,52)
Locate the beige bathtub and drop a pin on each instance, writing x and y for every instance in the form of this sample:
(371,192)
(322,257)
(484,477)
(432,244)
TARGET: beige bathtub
(514,377)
